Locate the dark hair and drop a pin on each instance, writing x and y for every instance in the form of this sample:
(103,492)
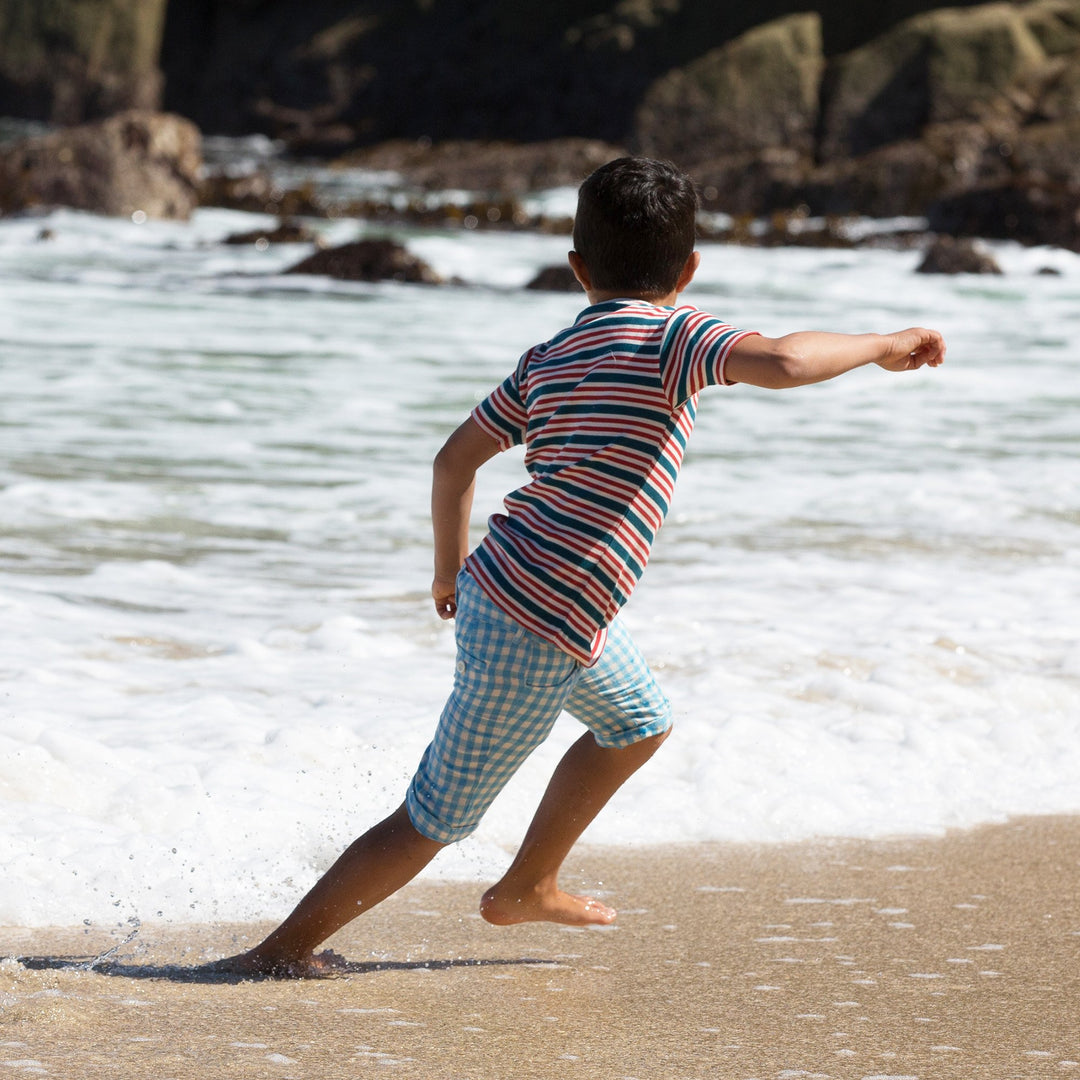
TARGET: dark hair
(635,225)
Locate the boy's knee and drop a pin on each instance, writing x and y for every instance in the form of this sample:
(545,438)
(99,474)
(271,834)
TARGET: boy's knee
(651,743)
(661,736)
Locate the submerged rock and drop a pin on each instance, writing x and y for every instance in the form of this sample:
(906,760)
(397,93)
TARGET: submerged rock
(947,255)
(286,232)
(133,163)
(368,260)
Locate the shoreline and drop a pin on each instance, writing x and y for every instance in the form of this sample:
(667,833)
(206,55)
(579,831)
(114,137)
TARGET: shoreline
(931,958)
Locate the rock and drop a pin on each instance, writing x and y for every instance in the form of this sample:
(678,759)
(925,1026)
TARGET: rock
(905,177)
(753,184)
(1052,91)
(947,255)
(368,260)
(555,279)
(1029,213)
(942,66)
(1028,190)
(968,179)
(896,180)
(68,61)
(1055,23)
(133,162)
(756,92)
(286,232)
(257,192)
(1055,94)
(1044,153)
(891,181)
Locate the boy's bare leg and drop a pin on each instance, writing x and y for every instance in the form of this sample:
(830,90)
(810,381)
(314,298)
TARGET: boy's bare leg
(580,787)
(380,862)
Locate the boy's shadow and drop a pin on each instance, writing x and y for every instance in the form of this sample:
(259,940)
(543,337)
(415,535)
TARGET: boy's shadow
(205,974)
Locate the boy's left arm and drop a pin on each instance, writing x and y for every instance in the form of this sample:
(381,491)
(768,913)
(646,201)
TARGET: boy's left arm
(811,356)
(452,486)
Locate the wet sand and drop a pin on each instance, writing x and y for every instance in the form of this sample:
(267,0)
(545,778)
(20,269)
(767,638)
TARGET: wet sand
(935,959)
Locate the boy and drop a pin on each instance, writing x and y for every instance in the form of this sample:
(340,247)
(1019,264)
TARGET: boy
(604,409)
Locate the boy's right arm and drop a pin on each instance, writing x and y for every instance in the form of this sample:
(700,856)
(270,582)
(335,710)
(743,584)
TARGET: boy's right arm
(452,486)
(811,356)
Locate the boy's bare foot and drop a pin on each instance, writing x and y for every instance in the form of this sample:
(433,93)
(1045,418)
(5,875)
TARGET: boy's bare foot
(556,906)
(324,965)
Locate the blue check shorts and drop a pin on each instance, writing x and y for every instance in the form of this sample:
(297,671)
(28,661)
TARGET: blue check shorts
(509,688)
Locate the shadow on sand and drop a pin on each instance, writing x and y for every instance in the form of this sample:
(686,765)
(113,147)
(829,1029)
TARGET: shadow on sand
(204,973)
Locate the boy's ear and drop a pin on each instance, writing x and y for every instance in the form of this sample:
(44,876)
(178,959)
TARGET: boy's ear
(689,270)
(581,271)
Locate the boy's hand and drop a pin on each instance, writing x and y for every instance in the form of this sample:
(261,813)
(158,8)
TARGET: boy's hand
(911,349)
(443,592)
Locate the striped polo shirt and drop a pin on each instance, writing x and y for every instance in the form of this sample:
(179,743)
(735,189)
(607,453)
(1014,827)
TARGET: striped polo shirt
(605,409)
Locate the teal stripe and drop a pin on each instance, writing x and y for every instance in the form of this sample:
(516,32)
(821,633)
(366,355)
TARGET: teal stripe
(552,584)
(631,477)
(604,408)
(600,440)
(574,524)
(516,435)
(508,588)
(571,523)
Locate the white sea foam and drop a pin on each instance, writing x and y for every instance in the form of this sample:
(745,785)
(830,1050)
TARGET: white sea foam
(220,660)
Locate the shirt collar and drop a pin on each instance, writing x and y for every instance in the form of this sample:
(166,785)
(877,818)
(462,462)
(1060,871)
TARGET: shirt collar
(596,310)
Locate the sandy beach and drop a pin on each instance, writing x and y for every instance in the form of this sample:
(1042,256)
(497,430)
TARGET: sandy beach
(929,958)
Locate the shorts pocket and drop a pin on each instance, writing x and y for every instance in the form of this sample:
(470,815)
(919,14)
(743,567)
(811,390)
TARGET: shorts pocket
(469,664)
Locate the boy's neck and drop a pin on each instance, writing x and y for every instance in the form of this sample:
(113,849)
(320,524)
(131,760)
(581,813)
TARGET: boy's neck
(602,296)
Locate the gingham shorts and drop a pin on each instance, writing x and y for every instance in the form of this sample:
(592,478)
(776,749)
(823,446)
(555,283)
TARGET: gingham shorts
(509,688)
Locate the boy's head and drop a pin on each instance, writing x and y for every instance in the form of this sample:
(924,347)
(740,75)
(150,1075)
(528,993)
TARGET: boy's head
(635,226)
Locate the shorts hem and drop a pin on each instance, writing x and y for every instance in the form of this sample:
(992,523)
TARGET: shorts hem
(623,739)
(431,828)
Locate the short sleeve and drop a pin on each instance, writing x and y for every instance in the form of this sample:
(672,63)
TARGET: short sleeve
(695,349)
(502,414)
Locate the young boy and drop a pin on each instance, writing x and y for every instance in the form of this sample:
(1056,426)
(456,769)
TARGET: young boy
(604,409)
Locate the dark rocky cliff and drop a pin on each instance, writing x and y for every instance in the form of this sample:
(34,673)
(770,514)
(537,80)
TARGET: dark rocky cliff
(968,114)
(66,61)
(368,70)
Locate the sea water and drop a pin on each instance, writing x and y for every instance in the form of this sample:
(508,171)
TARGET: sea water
(220,658)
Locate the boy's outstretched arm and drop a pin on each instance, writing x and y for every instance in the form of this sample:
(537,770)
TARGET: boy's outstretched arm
(452,485)
(811,356)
